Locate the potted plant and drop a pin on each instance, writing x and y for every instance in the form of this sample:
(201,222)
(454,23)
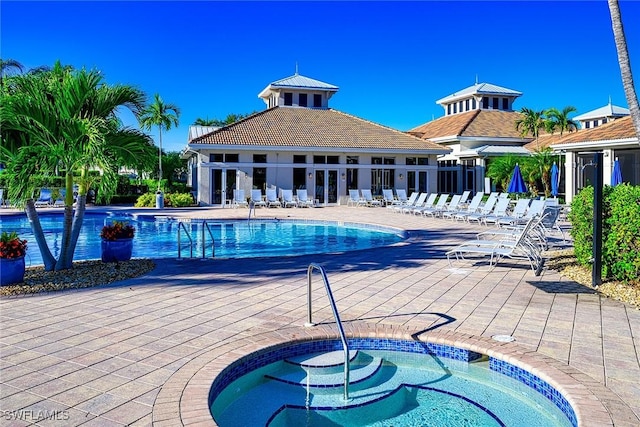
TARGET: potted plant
(117,241)
(12,252)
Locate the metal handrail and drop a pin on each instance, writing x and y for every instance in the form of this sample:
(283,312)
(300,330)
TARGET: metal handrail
(182,226)
(213,240)
(343,338)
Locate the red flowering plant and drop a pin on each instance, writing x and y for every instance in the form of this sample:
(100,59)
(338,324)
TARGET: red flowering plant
(11,246)
(117,230)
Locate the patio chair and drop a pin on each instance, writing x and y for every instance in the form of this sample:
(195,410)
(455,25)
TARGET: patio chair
(257,199)
(440,204)
(472,207)
(519,210)
(499,211)
(368,198)
(354,198)
(410,202)
(465,197)
(437,211)
(484,210)
(272,198)
(239,199)
(287,199)
(425,200)
(521,247)
(44,199)
(401,196)
(387,197)
(303,199)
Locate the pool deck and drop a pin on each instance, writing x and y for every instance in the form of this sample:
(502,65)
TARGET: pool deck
(145,351)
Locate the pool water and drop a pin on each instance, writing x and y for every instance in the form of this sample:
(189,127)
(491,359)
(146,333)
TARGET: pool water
(387,388)
(157,237)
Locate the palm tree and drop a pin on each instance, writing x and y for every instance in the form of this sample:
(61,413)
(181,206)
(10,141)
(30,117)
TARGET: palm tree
(530,123)
(162,115)
(560,120)
(625,64)
(207,122)
(500,169)
(69,119)
(537,167)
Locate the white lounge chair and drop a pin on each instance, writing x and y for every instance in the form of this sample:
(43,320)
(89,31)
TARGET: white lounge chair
(452,206)
(257,199)
(440,204)
(472,207)
(410,203)
(425,200)
(519,210)
(272,198)
(303,199)
(499,211)
(387,197)
(518,248)
(484,210)
(287,199)
(239,199)
(401,196)
(354,198)
(368,198)
(45,199)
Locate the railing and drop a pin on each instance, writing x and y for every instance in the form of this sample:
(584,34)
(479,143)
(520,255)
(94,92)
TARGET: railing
(213,240)
(343,338)
(181,226)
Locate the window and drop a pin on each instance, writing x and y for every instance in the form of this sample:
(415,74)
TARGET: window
(376,160)
(423,161)
(317,101)
(259,158)
(352,160)
(333,160)
(495,104)
(595,123)
(260,178)
(604,120)
(485,103)
(466,105)
(231,158)
(352,179)
(455,108)
(302,100)
(448,109)
(389,160)
(473,104)
(299,178)
(587,125)
(411,161)
(505,103)
(217,157)
(288,98)
(299,158)
(319,160)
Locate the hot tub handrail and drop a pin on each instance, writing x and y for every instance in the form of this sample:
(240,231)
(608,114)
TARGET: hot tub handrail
(183,227)
(332,302)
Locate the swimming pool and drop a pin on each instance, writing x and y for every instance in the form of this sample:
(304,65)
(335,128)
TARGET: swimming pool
(393,383)
(156,237)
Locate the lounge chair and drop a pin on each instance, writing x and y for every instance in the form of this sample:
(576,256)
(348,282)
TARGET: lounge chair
(287,199)
(303,199)
(368,198)
(499,211)
(484,210)
(425,200)
(272,198)
(257,199)
(401,196)
(440,204)
(409,203)
(45,199)
(387,197)
(1,197)
(452,206)
(239,199)
(518,248)
(354,198)
(472,207)
(518,212)
(465,197)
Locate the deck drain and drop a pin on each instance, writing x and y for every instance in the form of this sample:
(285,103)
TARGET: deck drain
(503,338)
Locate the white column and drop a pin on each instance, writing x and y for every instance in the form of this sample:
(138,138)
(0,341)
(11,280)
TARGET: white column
(569,176)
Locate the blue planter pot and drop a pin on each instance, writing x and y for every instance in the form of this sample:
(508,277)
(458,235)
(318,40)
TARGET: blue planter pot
(11,271)
(117,250)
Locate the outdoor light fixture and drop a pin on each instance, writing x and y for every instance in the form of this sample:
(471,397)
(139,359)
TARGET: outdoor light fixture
(401,177)
(343,176)
(310,175)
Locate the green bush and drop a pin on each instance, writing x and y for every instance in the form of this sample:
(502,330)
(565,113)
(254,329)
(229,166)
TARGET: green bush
(620,230)
(176,200)
(147,200)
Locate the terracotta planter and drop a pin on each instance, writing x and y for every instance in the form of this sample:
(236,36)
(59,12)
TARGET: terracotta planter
(117,250)
(11,271)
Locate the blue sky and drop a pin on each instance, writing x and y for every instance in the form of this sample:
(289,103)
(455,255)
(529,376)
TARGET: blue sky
(391,60)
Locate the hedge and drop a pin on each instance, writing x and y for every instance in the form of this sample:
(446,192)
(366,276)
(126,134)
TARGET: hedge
(620,230)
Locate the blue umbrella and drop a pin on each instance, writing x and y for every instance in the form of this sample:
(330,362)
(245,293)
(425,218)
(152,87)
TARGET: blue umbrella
(517,185)
(616,176)
(554,180)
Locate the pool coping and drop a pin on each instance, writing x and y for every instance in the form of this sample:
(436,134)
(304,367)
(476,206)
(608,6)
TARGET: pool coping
(184,398)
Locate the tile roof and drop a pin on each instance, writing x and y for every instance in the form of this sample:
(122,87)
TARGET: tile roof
(309,128)
(479,89)
(619,129)
(476,123)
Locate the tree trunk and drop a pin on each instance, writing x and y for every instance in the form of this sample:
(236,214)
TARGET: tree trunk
(32,214)
(625,64)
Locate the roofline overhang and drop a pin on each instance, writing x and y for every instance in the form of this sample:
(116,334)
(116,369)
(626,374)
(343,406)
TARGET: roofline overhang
(195,147)
(607,143)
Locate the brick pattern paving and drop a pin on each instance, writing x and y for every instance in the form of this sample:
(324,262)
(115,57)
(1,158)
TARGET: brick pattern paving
(145,351)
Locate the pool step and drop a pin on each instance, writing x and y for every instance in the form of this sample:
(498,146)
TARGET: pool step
(324,371)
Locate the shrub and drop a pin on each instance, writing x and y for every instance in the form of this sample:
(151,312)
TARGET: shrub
(620,230)
(147,200)
(179,200)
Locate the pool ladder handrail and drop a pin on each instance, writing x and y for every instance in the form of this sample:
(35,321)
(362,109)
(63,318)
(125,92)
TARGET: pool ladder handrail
(205,225)
(332,302)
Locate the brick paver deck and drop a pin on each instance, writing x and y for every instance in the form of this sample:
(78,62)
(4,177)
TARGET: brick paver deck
(145,351)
